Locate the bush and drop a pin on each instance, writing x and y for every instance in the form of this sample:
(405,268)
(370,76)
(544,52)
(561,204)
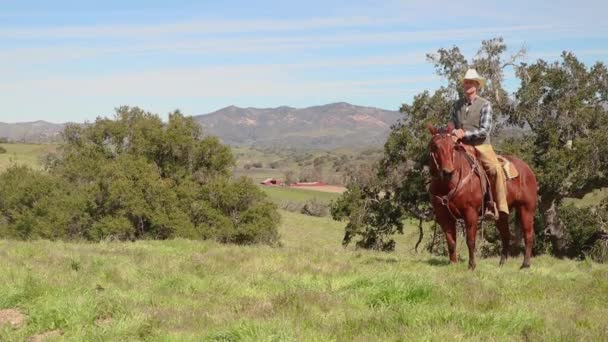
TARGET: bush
(584,228)
(598,252)
(373,218)
(2,150)
(238,212)
(315,207)
(291,206)
(34,204)
(136,178)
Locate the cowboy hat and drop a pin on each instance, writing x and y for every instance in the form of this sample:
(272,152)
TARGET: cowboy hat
(472,74)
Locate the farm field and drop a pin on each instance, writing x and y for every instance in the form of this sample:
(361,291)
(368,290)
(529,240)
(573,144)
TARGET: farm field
(280,194)
(28,154)
(309,289)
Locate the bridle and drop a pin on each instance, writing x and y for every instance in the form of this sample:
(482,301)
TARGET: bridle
(445,199)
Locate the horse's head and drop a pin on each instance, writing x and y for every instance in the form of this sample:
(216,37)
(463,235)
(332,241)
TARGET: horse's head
(442,147)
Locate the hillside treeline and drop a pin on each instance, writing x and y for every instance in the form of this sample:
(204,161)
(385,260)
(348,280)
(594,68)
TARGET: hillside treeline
(136,177)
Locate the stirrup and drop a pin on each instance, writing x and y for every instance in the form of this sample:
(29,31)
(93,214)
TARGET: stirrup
(491,212)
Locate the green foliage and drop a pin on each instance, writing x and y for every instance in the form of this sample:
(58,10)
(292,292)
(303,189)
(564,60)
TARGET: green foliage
(373,218)
(563,103)
(2,150)
(581,224)
(34,204)
(136,177)
(237,212)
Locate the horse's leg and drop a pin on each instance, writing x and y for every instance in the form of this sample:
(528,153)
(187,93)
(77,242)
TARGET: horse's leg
(471,218)
(450,236)
(526,220)
(505,236)
(448,225)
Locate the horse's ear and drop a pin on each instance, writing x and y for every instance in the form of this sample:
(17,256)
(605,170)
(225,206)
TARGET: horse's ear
(450,127)
(431,128)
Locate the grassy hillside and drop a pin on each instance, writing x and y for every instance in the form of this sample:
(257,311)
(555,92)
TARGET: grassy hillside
(310,289)
(28,154)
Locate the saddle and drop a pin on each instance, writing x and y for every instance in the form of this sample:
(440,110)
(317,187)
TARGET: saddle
(510,172)
(508,167)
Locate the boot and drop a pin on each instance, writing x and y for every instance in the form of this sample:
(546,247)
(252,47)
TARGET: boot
(491,211)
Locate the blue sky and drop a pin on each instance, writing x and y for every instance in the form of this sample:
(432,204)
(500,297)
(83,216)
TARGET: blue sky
(76,60)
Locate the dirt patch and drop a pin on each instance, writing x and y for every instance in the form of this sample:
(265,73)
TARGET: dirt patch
(12,317)
(46,335)
(104,321)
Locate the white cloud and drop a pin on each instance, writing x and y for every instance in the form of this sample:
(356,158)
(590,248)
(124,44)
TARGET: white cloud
(193,27)
(266,44)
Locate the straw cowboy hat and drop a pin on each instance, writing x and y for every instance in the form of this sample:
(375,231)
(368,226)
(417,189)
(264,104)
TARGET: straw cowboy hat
(473,75)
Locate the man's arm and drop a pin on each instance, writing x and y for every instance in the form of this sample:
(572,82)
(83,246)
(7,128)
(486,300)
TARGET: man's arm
(485,125)
(454,116)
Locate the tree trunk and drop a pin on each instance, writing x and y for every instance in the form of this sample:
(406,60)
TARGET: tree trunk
(553,226)
(420,235)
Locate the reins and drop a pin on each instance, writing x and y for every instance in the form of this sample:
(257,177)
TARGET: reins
(445,199)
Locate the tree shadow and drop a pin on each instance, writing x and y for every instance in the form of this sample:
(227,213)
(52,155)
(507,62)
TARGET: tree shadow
(437,262)
(389,260)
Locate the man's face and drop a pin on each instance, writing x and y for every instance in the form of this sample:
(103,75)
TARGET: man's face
(470,86)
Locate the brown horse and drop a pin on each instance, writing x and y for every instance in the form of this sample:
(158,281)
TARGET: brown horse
(456,193)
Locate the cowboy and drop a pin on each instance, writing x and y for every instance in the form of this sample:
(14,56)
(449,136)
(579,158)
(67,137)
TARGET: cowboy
(472,118)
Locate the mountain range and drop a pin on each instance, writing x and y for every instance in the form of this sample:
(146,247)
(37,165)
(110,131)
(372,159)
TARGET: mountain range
(31,132)
(329,126)
(326,127)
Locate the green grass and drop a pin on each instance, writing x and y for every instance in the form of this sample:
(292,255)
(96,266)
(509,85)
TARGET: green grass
(280,194)
(590,199)
(310,289)
(28,154)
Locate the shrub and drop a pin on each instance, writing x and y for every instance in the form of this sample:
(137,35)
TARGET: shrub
(238,212)
(34,204)
(136,178)
(585,229)
(291,206)
(2,150)
(315,207)
(373,218)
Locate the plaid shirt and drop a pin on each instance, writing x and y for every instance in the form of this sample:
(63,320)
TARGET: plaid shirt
(485,124)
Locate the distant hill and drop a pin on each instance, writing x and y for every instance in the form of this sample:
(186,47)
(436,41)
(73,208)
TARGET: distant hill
(31,132)
(326,127)
(320,127)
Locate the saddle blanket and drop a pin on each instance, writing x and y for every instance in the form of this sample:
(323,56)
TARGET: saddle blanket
(508,167)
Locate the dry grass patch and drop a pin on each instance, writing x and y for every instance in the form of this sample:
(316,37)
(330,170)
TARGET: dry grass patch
(13,317)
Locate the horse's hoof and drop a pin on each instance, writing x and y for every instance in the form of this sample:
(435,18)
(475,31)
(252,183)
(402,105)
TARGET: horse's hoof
(502,262)
(472,267)
(524,266)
